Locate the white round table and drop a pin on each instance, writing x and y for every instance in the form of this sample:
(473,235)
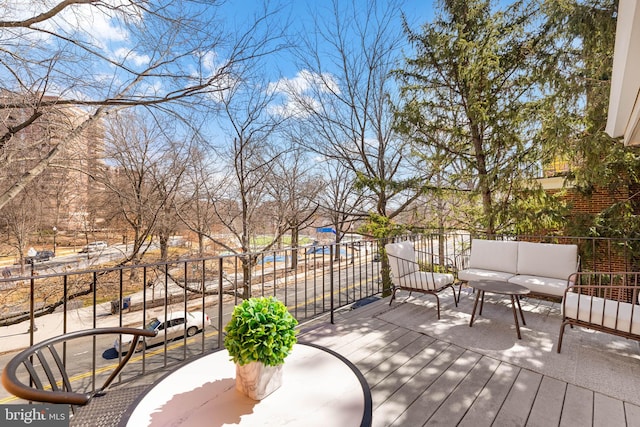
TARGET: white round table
(319,388)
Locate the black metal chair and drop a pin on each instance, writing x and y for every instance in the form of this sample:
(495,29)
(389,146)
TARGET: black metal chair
(47,379)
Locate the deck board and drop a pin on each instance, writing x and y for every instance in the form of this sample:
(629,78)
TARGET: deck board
(416,379)
(390,409)
(384,363)
(607,411)
(547,408)
(578,407)
(485,408)
(434,396)
(632,414)
(461,399)
(518,403)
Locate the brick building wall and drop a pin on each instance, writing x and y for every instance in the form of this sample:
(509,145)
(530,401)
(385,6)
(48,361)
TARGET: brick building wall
(604,255)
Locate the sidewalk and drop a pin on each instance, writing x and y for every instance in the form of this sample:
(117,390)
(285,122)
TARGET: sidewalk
(16,337)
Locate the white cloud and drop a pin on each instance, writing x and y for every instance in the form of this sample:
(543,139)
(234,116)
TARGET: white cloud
(131,56)
(209,62)
(92,22)
(304,82)
(210,67)
(300,93)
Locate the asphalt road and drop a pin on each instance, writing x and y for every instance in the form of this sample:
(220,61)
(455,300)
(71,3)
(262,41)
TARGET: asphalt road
(74,260)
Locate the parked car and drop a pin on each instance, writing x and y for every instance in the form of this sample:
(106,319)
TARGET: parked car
(175,328)
(40,256)
(94,247)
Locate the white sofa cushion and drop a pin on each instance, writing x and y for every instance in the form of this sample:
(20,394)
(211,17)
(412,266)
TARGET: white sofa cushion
(406,264)
(494,255)
(471,274)
(547,260)
(424,280)
(541,285)
(602,312)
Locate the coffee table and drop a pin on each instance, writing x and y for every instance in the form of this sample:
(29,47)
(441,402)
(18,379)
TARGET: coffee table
(502,288)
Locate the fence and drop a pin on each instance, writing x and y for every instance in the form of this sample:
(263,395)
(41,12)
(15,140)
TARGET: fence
(311,281)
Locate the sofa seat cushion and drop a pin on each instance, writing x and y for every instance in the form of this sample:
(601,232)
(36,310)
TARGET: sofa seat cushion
(471,274)
(621,316)
(541,285)
(547,260)
(424,280)
(494,255)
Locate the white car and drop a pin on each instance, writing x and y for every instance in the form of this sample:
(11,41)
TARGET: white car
(94,247)
(174,326)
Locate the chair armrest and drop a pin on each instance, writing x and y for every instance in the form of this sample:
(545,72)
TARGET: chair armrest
(55,369)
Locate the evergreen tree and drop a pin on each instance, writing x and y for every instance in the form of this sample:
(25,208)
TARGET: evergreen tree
(474,98)
(587,38)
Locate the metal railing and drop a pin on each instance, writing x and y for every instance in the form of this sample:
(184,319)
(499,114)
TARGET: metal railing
(310,281)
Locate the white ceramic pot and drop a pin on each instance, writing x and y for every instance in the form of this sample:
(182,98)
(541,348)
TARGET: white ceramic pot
(257,380)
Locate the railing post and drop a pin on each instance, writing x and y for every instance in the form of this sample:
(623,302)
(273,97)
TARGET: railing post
(220,300)
(32,303)
(331,280)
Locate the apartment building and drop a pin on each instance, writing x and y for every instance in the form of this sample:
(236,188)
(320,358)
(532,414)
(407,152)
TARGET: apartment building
(47,130)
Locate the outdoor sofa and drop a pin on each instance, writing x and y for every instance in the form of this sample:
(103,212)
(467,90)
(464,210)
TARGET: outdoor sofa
(543,268)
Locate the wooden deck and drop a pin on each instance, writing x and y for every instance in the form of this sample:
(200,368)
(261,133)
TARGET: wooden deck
(417,379)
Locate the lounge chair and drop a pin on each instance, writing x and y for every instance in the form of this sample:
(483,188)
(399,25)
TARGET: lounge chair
(408,272)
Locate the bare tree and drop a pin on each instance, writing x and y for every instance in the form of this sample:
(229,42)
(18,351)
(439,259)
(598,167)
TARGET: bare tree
(344,111)
(340,200)
(250,128)
(21,218)
(102,55)
(345,107)
(201,185)
(293,187)
(146,167)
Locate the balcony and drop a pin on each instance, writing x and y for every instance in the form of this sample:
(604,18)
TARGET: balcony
(421,371)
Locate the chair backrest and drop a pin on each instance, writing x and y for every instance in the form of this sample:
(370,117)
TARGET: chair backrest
(48,378)
(402,259)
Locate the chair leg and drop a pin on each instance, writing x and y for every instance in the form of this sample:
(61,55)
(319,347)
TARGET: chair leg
(562,326)
(455,300)
(393,294)
(437,304)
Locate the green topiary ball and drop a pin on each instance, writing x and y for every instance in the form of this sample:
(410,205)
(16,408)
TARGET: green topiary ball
(260,330)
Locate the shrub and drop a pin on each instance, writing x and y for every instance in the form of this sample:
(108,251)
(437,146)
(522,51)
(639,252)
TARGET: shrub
(260,330)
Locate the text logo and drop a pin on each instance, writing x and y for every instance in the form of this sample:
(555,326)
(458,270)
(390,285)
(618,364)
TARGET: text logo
(34,415)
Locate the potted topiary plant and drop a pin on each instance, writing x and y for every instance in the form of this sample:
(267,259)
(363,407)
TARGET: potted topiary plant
(259,336)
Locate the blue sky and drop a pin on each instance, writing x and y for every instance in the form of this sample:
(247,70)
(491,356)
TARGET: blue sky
(95,26)
(299,13)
